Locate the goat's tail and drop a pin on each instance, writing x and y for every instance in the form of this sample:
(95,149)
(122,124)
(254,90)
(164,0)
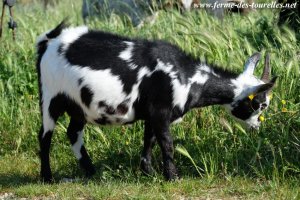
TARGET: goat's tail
(44,38)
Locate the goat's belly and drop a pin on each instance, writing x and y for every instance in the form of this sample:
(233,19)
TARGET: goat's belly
(107,114)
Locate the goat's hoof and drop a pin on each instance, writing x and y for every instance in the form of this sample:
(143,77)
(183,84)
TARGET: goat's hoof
(146,168)
(90,172)
(88,167)
(171,175)
(47,179)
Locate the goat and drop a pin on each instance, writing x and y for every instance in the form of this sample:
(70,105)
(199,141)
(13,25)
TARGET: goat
(102,78)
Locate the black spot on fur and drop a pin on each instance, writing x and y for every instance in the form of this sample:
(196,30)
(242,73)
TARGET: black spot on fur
(122,109)
(110,110)
(102,104)
(61,103)
(86,95)
(80,81)
(102,120)
(60,49)
(118,120)
(57,106)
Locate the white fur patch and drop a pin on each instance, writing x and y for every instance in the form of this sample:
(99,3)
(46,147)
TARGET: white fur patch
(176,121)
(205,68)
(71,34)
(199,78)
(244,84)
(253,121)
(78,144)
(127,53)
(180,93)
(165,67)
(48,122)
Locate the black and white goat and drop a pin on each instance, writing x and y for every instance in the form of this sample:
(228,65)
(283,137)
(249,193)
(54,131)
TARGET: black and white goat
(102,78)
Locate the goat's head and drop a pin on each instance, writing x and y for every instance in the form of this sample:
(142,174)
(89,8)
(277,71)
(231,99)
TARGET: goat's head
(252,95)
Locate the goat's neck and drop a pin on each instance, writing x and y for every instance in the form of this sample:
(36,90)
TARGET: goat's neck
(217,90)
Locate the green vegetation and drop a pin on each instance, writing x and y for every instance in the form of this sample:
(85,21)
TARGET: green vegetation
(216,157)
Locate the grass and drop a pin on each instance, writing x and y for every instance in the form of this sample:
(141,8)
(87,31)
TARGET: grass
(21,179)
(216,157)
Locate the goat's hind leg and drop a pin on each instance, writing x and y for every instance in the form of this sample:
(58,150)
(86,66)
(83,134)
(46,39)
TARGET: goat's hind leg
(50,114)
(45,142)
(75,135)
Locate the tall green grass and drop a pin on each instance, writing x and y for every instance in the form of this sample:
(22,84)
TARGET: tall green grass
(215,147)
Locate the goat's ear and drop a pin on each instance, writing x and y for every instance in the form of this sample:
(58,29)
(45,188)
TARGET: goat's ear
(267,87)
(267,70)
(251,63)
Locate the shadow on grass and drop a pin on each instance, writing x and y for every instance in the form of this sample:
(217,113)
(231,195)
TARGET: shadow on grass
(16,179)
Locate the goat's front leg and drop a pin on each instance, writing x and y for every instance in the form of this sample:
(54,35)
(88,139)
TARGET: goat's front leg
(160,126)
(149,142)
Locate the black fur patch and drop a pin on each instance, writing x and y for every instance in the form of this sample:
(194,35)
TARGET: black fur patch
(244,108)
(60,49)
(57,106)
(61,103)
(102,120)
(216,91)
(122,109)
(182,63)
(80,81)
(102,104)
(86,95)
(110,110)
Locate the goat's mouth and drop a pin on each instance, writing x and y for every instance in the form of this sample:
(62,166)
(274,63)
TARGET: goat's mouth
(254,127)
